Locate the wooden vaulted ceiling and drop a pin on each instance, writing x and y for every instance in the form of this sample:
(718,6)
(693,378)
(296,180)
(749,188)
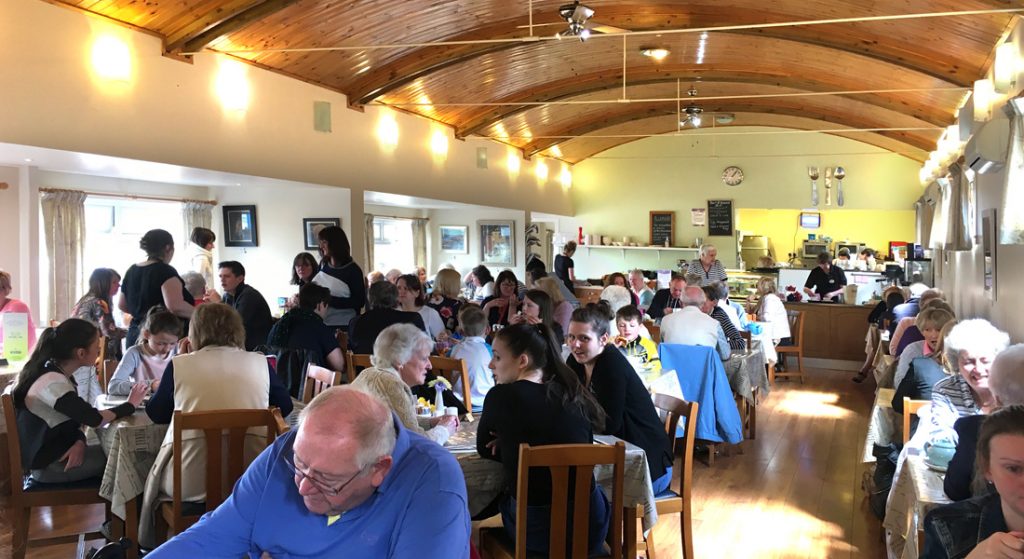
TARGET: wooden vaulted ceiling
(562,96)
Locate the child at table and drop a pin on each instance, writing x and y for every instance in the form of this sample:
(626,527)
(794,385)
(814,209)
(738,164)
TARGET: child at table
(145,361)
(476,352)
(50,413)
(628,321)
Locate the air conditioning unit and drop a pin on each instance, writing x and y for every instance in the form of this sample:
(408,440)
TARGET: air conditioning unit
(985,151)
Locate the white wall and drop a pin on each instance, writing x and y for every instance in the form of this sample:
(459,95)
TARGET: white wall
(469,217)
(10,248)
(279,213)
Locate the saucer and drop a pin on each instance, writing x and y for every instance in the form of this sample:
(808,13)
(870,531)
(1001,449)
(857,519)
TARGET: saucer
(935,467)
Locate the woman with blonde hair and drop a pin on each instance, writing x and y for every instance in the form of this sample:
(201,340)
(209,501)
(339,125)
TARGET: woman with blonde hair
(445,298)
(771,310)
(930,322)
(923,372)
(562,308)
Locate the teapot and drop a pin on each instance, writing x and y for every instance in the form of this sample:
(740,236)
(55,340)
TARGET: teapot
(940,451)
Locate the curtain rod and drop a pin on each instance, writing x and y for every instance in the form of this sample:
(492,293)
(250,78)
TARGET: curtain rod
(396,216)
(131,196)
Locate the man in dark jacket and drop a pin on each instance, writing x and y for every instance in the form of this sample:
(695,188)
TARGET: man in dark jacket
(247,301)
(1006,380)
(667,298)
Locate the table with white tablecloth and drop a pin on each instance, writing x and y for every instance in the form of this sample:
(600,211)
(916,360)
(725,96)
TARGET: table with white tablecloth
(746,370)
(485,478)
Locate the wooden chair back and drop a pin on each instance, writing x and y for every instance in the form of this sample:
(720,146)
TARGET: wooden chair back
(319,379)
(15,471)
(910,407)
(655,331)
(353,360)
(745,334)
(671,410)
(221,471)
(796,331)
(103,353)
(559,459)
(107,370)
(454,369)
(586,295)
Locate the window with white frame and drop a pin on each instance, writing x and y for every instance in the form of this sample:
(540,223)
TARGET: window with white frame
(392,244)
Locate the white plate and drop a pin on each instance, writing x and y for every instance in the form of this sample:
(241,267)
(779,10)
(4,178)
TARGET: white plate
(936,467)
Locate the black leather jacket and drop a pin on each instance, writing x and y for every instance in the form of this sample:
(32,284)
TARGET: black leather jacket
(952,531)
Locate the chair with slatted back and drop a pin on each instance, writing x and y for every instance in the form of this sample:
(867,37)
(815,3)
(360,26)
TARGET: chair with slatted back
(221,472)
(354,361)
(454,369)
(910,407)
(559,459)
(26,494)
(319,379)
(796,332)
(671,410)
(107,372)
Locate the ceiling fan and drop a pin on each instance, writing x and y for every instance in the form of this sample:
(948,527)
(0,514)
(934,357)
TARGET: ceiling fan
(577,17)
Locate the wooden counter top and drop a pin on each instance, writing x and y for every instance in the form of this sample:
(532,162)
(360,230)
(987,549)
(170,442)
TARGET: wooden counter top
(833,330)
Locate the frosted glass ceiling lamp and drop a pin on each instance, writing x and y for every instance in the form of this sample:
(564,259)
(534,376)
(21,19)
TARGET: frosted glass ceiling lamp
(984,95)
(1005,68)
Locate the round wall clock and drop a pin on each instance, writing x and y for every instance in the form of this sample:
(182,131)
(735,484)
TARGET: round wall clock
(732,175)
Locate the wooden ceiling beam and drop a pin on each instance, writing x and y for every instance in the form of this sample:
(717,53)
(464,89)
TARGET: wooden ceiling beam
(581,85)
(224,21)
(606,120)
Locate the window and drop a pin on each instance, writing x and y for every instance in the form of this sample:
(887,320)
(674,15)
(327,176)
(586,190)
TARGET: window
(392,244)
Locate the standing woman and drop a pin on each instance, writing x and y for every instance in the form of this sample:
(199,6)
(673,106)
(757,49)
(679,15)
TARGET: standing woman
(708,266)
(412,299)
(9,304)
(538,401)
(630,413)
(96,306)
(50,413)
(445,297)
(154,282)
(202,253)
(339,273)
(565,268)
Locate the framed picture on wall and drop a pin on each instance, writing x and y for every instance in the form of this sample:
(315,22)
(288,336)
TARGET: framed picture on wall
(454,239)
(497,242)
(989,242)
(240,226)
(311,227)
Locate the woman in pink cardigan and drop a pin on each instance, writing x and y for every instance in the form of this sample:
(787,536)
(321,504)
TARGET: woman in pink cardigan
(10,305)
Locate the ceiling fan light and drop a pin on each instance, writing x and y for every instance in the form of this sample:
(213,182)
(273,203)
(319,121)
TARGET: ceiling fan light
(696,120)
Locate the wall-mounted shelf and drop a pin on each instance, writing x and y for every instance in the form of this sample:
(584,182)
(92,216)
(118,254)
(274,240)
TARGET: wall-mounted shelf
(659,249)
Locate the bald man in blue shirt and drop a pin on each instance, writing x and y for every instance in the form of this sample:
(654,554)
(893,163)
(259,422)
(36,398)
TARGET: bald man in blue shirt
(350,482)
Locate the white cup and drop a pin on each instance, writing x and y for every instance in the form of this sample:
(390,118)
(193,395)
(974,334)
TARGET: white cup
(451,410)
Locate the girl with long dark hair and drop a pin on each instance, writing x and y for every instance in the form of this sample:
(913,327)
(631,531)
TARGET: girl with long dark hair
(539,309)
(97,305)
(50,413)
(339,273)
(603,369)
(538,401)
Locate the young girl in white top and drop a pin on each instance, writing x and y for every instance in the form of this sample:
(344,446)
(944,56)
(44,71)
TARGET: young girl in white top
(145,362)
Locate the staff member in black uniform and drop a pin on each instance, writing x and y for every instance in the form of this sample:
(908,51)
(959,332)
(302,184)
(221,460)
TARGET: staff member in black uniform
(826,282)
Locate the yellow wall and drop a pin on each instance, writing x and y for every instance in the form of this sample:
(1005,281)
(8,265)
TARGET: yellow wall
(875,228)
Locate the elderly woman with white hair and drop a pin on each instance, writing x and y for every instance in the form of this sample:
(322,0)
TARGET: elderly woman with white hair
(970,347)
(401,359)
(708,266)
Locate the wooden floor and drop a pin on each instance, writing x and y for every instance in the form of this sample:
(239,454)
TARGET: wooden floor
(794,492)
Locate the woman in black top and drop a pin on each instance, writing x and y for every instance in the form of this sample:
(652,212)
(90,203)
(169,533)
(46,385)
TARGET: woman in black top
(630,413)
(339,273)
(50,413)
(565,267)
(538,401)
(154,282)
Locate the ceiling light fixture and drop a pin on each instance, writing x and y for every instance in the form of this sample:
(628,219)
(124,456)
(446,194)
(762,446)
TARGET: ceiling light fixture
(576,15)
(655,53)
(693,117)
(725,118)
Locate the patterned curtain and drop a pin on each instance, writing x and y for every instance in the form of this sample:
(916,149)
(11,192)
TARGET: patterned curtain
(194,214)
(1011,230)
(419,241)
(369,239)
(64,230)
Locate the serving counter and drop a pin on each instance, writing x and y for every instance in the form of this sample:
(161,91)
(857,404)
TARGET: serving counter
(834,331)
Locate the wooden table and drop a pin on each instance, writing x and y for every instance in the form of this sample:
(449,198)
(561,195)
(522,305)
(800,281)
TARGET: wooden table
(916,490)
(834,331)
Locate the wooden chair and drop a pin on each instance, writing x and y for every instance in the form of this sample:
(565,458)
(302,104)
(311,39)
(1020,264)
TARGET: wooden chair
(319,379)
(221,474)
(671,409)
(103,353)
(23,498)
(454,369)
(560,458)
(107,370)
(655,331)
(910,407)
(796,332)
(342,338)
(745,334)
(353,360)
(748,414)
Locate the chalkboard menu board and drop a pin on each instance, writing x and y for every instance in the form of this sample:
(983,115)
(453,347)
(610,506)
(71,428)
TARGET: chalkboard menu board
(662,228)
(720,218)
